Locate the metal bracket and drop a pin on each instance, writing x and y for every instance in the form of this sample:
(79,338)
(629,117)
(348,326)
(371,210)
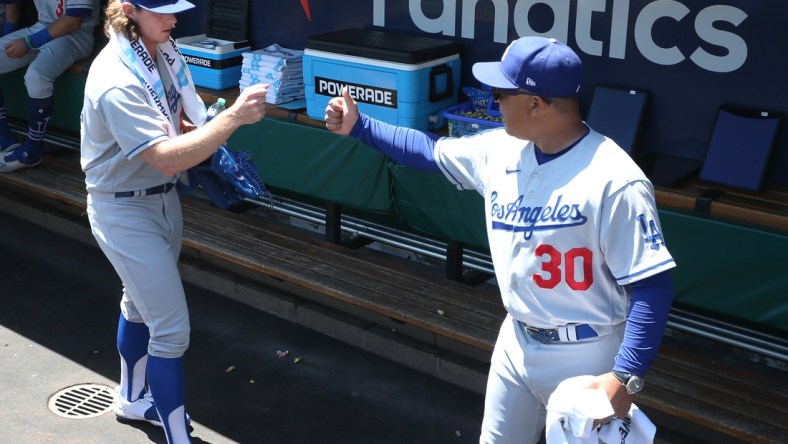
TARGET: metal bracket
(703,202)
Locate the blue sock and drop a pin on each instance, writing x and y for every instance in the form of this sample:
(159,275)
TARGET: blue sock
(39,113)
(165,376)
(133,338)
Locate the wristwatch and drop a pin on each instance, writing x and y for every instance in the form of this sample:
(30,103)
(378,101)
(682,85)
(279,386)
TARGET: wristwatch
(632,383)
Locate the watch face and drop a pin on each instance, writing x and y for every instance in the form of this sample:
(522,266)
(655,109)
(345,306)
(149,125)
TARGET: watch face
(635,385)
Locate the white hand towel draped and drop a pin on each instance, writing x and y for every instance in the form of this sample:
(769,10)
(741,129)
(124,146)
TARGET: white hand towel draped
(135,56)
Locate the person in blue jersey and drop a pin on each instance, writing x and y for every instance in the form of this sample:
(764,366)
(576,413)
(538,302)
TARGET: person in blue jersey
(135,143)
(574,235)
(62,35)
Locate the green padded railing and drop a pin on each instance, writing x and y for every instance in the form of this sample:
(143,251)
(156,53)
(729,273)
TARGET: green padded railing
(429,203)
(729,271)
(314,162)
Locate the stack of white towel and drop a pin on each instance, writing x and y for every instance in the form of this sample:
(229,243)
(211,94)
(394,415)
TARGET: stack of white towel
(279,67)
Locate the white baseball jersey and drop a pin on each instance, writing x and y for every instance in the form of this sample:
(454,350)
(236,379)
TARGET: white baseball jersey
(49,11)
(564,236)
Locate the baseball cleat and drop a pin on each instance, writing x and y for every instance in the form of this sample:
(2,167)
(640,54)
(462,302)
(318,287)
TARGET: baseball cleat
(142,409)
(17,158)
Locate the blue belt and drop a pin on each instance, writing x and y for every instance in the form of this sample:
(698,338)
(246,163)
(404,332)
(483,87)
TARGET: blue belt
(159,189)
(572,333)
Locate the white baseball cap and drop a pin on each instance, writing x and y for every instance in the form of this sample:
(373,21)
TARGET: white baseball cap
(162,6)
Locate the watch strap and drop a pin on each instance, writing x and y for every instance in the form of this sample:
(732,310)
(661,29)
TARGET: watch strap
(623,377)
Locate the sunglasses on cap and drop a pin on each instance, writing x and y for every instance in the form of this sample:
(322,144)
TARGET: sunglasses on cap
(497,93)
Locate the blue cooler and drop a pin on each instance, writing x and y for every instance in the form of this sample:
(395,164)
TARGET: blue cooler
(214,63)
(401,79)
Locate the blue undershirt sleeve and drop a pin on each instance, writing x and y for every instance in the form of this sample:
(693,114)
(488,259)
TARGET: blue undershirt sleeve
(38,39)
(8,28)
(646,321)
(410,147)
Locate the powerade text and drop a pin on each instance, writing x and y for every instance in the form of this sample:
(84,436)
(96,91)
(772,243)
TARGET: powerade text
(361,93)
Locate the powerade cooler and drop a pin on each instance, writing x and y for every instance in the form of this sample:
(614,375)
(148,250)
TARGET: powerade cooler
(214,58)
(213,63)
(401,79)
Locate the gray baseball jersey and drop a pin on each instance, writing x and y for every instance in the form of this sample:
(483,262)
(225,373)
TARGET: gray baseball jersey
(118,123)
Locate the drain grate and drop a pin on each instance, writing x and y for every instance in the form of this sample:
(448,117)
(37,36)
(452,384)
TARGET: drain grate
(82,401)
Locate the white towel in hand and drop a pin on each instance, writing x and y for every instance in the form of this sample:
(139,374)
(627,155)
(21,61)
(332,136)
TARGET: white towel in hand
(573,407)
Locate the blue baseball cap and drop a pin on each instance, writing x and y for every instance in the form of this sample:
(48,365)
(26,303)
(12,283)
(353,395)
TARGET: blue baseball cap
(162,6)
(545,67)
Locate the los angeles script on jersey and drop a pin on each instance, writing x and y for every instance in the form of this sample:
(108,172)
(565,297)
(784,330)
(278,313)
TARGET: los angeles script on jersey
(514,216)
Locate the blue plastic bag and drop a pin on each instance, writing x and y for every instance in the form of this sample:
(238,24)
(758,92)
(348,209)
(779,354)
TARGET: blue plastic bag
(226,178)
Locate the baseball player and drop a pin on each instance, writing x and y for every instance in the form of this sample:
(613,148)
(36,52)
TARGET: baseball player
(9,17)
(134,144)
(573,229)
(62,35)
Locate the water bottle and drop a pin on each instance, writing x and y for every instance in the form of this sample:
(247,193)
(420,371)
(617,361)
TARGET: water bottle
(216,108)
